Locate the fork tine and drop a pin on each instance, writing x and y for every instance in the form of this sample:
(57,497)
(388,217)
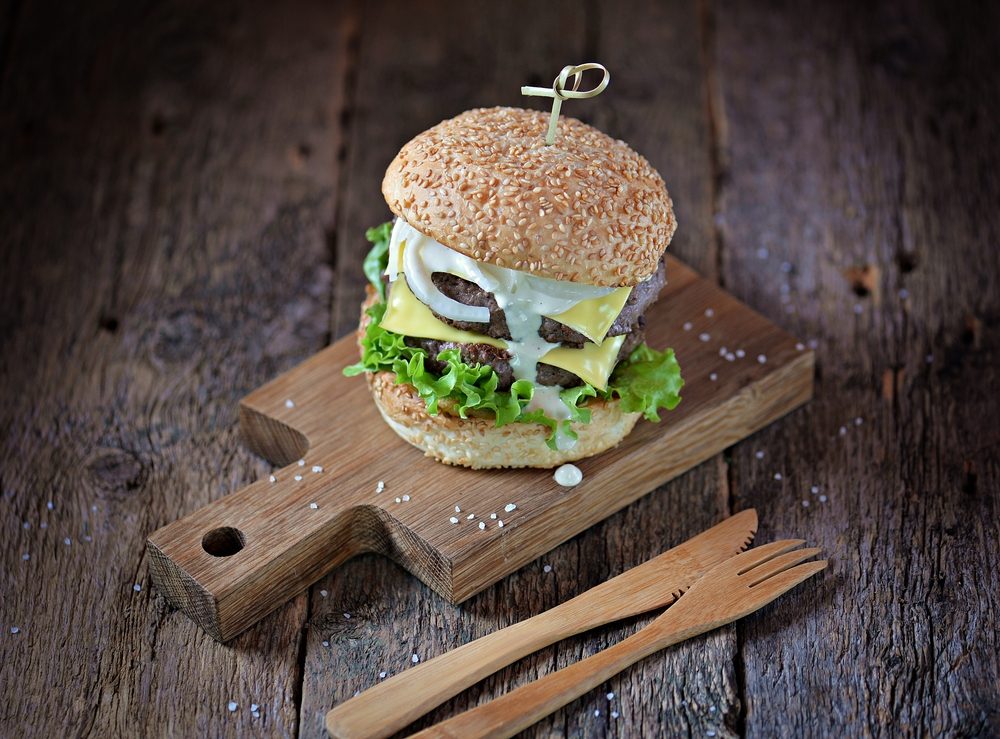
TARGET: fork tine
(785,581)
(753,557)
(779,564)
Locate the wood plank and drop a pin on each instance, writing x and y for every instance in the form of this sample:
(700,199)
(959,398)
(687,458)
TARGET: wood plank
(168,175)
(656,102)
(237,559)
(865,136)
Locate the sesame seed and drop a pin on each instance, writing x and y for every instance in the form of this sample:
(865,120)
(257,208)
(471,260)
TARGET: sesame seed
(762,358)
(509,507)
(317,468)
(289,403)
(482,525)
(314,506)
(233,705)
(414,659)
(137,587)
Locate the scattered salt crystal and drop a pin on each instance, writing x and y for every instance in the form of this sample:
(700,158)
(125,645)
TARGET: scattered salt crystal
(137,587)
(703,337)
(414,659)
(929,358)
(43,525)
(709,313)
(786,267)
(482,525)
(25,556)
(314,506)
(289,403)
(399,500)
(493,516)
(711,709)
(406,498)
(762,358)
(470,517)
(272,478)
(509,507)
(67,541)
(614,714)
(822,499)
(800,346)
(93,508)
(233,705)
(611,696)
(843,431)
(457,509)
(709,733)
(547,568)
(740,354)
(317,468)
(88,537)
(858,421)
(325,643)
(814,489)
(49,505)
(805,503)
(253,708)
(347,616)
(302,463)
(713,376)
(813,343)
(323,593)
(759,454)
(500,523)
(379,486)
(382,675)
(597,712)
(730,356)
(762,253)
(297,478)
(722,351)
(26,525)
(904,294)
(777,475)
(453,519)
(15,630)
(688,326)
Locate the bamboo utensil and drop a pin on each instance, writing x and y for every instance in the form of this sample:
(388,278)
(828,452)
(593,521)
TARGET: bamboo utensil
(389,706)
(727,592)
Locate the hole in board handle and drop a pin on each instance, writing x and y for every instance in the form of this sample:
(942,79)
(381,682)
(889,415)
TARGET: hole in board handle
(224,541)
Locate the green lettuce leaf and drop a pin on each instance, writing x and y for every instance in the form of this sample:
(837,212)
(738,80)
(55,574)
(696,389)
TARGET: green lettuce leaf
(378,256)
(647,381)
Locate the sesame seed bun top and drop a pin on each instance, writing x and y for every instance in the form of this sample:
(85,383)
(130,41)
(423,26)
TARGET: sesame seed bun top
(586,209)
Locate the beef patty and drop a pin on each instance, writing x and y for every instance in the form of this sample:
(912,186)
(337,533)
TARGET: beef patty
(499,359)
(642,296)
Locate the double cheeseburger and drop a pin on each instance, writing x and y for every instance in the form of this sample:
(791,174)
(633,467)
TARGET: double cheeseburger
(505,321)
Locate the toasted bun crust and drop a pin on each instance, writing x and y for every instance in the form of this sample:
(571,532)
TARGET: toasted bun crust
(476,443)
(586,209)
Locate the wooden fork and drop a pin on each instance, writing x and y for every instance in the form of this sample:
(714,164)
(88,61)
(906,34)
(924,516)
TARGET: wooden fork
(725,593)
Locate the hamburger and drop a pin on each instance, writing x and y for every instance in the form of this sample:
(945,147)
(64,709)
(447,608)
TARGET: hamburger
(504,323)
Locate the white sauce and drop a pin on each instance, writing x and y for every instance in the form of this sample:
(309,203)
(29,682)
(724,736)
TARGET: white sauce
(569,475)
(523,298)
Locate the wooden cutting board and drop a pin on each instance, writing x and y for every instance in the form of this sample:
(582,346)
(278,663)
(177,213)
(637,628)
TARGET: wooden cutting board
(237,559)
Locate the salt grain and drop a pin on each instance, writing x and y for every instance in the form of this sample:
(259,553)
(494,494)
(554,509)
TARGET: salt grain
(730,357)
(253,708)
(379,486)
(297,478)
(929,359)
(15,630)
(859,309)
(414,659)
(272,478)
(858,421)
(805,503)
(482,525)
(740,354)
(399,500)
(762,253)
(457,509)
(813,343)
(289,404)
(614,714)
(317,468)
(43,525)
(493,516)
(760,454)
(314,506)
(711,709)
(406,498)
(49,505)
(26,525)
(137,587)
(233,705)
(709,313)
(814,489)
(688,326)
(382,675)
(325,643)
(904,294)
(762,358)
(509,507)
(347,616)
(777,475)
(470,517)
(800,346)
(713,376)
(547,568)
(597,712)
(703,337)
(323,593)
(25,556)
(611,696)
(500,523)
(843,431)
(453,519)
(822,499)
(67,541)
(302,463)
(786,267)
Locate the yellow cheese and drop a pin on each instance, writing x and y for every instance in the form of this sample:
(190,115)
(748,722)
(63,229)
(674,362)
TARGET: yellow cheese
(408,316)
(594,317)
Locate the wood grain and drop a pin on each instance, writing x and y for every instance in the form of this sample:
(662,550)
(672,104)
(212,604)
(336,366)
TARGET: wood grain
(278,537)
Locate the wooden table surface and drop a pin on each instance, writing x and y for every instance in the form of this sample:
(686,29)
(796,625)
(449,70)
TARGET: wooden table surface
(184,191)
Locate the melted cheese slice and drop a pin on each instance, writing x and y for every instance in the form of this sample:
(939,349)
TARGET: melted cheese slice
(594,317)
(406,315)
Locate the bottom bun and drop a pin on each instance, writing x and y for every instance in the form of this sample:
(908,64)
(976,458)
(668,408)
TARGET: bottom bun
(475,442)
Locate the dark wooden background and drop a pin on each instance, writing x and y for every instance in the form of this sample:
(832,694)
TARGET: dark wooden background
(183,193)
